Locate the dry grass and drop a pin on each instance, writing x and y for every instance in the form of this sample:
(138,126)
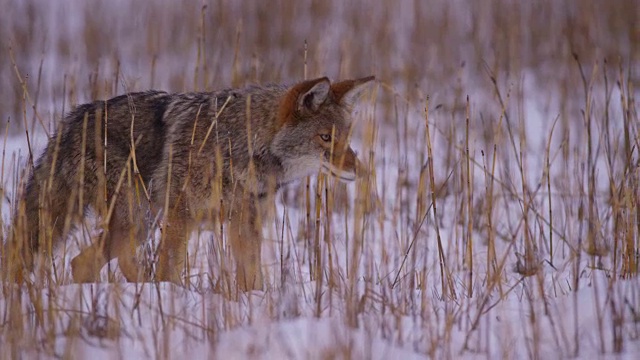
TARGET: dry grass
(500,216)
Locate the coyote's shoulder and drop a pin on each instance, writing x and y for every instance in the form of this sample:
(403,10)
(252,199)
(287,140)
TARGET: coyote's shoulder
(193,155)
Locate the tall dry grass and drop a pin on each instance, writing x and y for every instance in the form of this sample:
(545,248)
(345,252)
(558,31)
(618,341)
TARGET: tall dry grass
(502,140)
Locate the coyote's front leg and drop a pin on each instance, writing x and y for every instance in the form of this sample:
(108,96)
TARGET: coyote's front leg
(173,245)
(245,237)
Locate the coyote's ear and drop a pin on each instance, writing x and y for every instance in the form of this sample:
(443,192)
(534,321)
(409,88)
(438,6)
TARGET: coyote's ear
(313,93)
(347,92)
(305,96)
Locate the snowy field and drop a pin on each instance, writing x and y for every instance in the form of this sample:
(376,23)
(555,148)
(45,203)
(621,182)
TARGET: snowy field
(501,223)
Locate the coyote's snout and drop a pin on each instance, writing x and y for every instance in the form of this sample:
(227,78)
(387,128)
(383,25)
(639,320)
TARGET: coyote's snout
(187,158)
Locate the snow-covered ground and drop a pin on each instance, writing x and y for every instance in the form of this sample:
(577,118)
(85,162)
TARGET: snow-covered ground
(106,321)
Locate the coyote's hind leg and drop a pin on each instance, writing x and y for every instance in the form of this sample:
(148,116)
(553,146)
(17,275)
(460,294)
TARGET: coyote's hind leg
(121,240)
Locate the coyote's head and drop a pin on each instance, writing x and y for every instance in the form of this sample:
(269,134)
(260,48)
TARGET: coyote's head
(314,127)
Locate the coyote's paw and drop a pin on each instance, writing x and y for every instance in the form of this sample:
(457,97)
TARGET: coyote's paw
(169,275)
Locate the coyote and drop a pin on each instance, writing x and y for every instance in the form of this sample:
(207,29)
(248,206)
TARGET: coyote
(192,158)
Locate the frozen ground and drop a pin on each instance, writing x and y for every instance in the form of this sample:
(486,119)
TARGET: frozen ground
(160,321)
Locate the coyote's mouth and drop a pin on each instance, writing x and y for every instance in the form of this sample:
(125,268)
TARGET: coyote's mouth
(345,176)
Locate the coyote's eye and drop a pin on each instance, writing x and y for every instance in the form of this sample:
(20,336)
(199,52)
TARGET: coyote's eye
(325,137)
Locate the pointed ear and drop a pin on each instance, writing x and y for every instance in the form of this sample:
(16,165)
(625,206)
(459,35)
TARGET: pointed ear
(312,93)
(305,96)
(347,92)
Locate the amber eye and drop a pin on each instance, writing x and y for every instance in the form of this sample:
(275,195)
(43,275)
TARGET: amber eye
(325,137)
